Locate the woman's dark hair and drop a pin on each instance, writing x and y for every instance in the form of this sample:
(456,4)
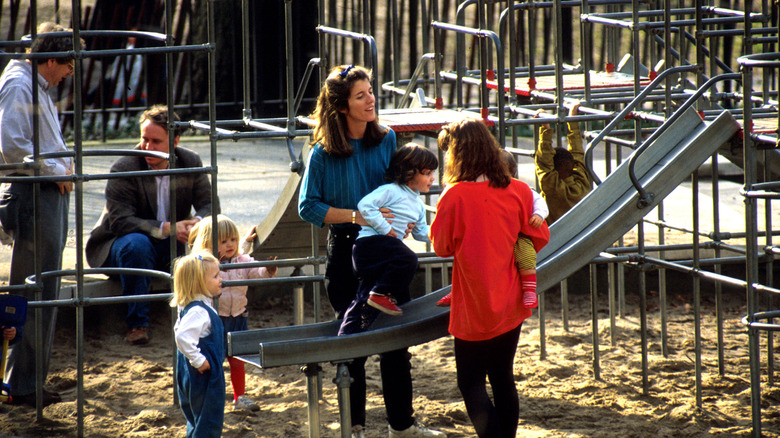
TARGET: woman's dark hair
(331,124)
(407,161)
(472,151)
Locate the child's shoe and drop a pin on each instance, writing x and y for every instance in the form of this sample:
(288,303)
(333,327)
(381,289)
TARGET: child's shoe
(384,303)
(529,299)
(357,431)
(245,403)
(446,301)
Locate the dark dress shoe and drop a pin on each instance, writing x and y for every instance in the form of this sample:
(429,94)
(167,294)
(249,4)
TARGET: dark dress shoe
(137,336)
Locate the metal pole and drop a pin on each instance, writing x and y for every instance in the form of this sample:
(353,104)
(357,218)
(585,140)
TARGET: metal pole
(343,381)
(297,299)
(696,286)
(594,309)
(312,372)
(77,128)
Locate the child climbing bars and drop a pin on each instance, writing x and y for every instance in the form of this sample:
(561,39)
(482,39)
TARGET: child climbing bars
(563,177)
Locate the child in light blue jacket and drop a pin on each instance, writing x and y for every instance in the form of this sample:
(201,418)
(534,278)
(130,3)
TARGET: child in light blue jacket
(384,265)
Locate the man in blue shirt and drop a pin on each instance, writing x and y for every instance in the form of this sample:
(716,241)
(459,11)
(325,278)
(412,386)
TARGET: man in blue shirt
(18,214)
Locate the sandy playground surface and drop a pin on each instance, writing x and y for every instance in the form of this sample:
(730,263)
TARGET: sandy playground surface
(129,389)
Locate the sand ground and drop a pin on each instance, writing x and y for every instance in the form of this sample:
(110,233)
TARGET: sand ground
(129,390)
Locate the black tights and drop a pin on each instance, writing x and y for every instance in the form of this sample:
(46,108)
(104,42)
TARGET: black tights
(493,358)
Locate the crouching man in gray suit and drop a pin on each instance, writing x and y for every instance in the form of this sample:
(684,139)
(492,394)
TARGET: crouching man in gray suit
(134,229)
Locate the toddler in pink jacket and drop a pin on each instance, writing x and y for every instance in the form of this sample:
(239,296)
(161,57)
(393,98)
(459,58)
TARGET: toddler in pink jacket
(233,301)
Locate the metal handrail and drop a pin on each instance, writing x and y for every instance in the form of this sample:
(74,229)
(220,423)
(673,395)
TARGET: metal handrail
(645,198)
(499,73)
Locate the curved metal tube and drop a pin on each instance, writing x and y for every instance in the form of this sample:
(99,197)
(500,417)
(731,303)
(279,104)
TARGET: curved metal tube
(625,112)
(499,60)
(368,39)
(645,198)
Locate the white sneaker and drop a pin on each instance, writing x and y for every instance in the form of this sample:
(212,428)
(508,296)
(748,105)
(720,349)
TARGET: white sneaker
(245,403)
(357,431)
(416,430)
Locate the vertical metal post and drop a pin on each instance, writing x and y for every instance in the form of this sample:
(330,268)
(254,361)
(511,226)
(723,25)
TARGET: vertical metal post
(565,303)
(542,328)
(289,60)
(246,64)
(696,286)
(77,113)
(751,247)
(38,313)
(343,382)
(643,309)
(612,304)
(312,372)
(172,199)
(395,32)
(718,266)
(315,286)
(594,311)
(662,289)
(297,298)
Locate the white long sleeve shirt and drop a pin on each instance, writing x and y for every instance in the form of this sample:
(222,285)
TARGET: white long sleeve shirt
(16,121)
(188,330)
(540,205)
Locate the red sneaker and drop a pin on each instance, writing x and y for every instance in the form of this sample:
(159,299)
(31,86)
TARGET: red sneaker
(384,303)
(446,301)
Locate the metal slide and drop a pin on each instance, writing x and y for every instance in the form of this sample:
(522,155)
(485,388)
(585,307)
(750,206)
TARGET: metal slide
(587,229)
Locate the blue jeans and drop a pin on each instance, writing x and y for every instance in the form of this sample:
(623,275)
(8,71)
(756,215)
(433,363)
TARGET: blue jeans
(137,250)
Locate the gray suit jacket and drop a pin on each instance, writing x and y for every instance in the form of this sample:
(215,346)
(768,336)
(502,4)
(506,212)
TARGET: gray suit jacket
(131,203)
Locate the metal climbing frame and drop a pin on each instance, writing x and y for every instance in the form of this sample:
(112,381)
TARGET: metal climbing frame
(752,192)
(78,178)
(81,298)
(647,97)
(665,30)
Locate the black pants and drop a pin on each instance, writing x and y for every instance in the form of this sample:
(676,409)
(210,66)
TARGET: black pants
(384,265)
(493,359)
(395,366)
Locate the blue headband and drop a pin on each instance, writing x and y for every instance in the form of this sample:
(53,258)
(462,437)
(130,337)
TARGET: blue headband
(345,71)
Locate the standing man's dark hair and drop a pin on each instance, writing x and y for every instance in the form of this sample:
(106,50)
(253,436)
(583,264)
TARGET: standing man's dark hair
(17,85)
(44,43)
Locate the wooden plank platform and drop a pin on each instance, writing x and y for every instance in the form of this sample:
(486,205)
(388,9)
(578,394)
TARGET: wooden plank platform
(766,125)
(283,233)
(571,82)
(424,119)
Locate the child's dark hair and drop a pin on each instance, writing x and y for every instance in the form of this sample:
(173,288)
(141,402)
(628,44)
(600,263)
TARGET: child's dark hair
(562,158)
(407,161)
(511,162)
